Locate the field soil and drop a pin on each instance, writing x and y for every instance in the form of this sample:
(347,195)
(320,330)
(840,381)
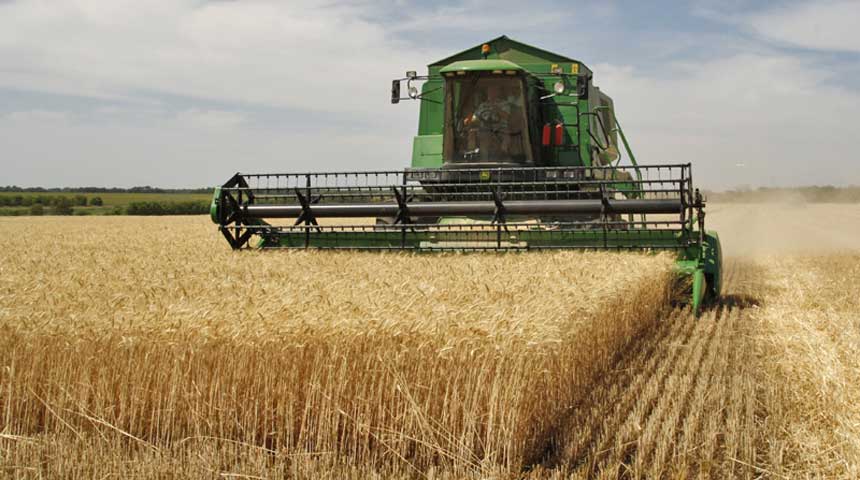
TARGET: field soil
(120,358)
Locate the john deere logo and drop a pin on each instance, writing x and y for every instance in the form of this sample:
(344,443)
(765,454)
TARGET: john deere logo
(485,175)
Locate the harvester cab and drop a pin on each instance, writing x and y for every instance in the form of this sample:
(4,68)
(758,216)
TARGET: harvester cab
(516,149)
(493,112)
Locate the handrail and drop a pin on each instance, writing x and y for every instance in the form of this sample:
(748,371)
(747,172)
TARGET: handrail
(602,129)
(627,148)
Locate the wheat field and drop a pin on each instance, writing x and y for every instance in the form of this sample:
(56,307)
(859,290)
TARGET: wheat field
(147,343)
(144,347)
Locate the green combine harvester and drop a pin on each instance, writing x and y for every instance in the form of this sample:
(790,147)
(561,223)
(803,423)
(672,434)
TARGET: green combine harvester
(517,149)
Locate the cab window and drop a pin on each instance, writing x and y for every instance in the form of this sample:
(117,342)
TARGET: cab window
(486,119)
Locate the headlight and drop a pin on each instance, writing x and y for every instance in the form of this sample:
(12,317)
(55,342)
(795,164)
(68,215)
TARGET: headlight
(558,87)
(552,174)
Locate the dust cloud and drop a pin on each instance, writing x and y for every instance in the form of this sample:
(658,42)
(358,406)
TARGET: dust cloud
(753,229)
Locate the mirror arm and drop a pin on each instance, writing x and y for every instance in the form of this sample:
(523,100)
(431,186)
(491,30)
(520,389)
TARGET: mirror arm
(395,87)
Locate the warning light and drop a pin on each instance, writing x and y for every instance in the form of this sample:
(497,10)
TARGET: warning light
(485,50)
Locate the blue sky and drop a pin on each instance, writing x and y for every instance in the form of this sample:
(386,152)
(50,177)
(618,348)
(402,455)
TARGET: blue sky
(184,93)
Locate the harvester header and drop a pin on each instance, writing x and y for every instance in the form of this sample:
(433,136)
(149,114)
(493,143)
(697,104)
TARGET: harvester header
(516,149)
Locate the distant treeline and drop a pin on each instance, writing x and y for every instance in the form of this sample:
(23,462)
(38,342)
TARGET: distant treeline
(49,200)
(143,189)
(64,207)
(822,194)
(110,202)
(145,200)
(167,208)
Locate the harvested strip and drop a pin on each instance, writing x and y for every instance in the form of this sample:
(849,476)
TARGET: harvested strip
(688,409)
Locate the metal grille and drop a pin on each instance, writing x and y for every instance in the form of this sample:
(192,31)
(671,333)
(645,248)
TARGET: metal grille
(502,208)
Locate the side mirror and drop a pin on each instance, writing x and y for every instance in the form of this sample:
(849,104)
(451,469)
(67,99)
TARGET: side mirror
(582,87)
(395,91)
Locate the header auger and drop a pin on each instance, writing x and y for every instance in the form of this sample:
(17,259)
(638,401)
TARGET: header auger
(516,150)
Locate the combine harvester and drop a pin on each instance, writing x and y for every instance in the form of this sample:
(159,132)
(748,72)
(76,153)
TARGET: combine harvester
(516,149)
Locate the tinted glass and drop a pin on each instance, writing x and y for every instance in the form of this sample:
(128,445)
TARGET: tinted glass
(486,119)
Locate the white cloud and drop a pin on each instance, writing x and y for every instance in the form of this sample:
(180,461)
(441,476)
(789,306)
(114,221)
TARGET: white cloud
(327,66)
(209,119)
(37,117)
(475,16)
(87,154)
(288,54)
(824,25)
(289,57)
(770,112)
